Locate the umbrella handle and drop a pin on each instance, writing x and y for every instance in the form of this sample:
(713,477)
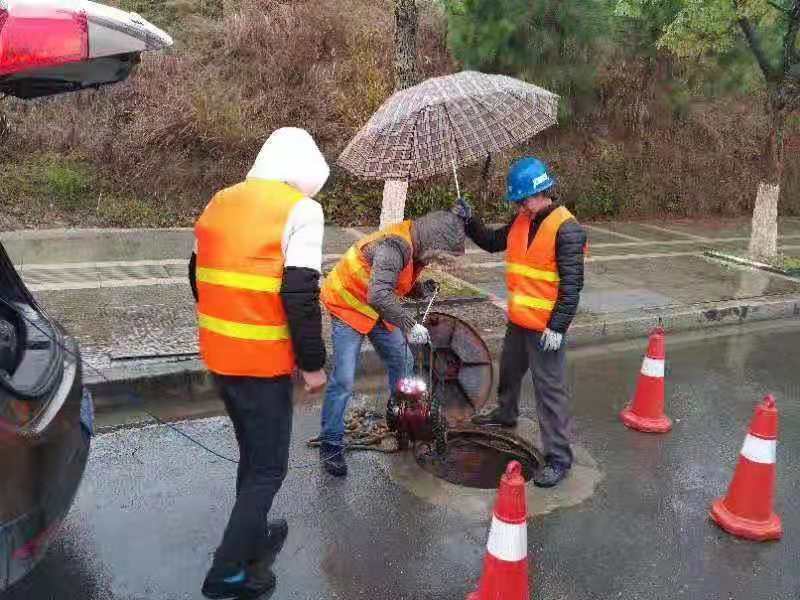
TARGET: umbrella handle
(455,176)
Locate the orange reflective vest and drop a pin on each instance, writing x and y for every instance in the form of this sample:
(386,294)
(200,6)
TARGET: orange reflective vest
(345,290)
(532,271)
(242,323)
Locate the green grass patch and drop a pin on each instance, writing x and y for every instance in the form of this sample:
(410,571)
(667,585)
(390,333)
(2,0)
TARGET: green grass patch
(47,180)
(451,288)
(120,211)
(791,264)
(47,188)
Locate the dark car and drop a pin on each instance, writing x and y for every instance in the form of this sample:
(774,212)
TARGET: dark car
(45,426)
(48,47)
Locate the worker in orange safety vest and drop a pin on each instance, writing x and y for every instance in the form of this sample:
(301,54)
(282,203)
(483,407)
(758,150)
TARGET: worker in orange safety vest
(255,274)
(545,247)
(364,295)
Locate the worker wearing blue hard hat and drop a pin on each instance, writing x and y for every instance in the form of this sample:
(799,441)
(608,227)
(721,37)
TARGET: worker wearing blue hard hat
(544,246)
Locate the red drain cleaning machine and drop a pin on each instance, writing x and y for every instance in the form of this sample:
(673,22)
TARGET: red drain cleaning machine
(452,380)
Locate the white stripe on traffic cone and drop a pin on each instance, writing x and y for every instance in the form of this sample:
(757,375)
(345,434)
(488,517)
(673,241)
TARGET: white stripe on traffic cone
(508,541)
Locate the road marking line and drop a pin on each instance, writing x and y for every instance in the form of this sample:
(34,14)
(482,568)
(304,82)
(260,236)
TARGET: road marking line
(101,265)
(598,259)
(691,236)
(709,241)
(95,285)
(624,236)
(42,268)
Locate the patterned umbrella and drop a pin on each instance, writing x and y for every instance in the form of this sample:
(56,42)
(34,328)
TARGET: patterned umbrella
(447,122)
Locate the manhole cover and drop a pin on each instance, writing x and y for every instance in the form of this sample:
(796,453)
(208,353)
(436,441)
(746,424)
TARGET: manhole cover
(478,458)
(460,371)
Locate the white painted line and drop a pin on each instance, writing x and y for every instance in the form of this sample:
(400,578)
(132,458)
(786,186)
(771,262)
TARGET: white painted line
(656,243)
(616,257)
(653,367)
(624,236)
(596,259)
(709,241)
(691,236)
(96,285)
(42,234)
(101,265)
(508,542)
(758,450)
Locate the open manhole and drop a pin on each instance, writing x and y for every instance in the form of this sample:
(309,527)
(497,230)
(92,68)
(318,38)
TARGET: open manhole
(478,458)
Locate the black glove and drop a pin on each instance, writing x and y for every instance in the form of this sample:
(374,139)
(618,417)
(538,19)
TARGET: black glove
(462,209)
(424,290)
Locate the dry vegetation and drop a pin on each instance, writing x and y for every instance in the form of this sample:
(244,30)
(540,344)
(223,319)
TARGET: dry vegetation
(150,152)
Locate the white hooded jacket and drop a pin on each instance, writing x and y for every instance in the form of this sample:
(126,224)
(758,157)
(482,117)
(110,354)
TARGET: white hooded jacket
(291,156)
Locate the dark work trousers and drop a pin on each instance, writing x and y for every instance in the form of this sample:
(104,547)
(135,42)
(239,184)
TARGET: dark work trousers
(261,411)
(521,353)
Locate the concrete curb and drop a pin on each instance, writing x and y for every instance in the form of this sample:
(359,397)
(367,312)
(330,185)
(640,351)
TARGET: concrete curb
(688,318)
(721,256)
(144,377)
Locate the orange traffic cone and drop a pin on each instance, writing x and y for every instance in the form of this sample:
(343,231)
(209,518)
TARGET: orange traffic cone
(747,511)
(505,568)
(646,413)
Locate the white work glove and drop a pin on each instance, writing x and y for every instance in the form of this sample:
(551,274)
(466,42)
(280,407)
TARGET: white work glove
(419,335)
(551,341)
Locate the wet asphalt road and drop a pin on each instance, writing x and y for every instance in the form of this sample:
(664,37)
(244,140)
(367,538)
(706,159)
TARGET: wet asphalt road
(152,506)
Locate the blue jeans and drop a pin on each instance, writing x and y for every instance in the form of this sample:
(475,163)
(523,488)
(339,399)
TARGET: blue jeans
(390,346)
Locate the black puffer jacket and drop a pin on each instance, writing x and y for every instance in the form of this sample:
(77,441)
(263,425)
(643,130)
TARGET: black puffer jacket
(570,244)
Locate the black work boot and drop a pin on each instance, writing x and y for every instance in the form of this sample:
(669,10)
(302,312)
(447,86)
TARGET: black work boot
(277,531)
(550,475)
(332,458)
(495,418)
(235,581)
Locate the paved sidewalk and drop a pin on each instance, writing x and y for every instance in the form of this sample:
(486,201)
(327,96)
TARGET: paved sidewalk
(125,295)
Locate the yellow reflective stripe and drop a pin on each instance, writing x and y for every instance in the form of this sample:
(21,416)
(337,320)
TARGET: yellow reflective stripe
(243,331)
(349,299)
(356,266)
(532,273)
(532,302)
(242,281)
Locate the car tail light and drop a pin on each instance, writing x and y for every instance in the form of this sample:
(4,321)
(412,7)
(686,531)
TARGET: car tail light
(41,36)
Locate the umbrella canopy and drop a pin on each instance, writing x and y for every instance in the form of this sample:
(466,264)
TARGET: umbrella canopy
(447,122)
(69,44)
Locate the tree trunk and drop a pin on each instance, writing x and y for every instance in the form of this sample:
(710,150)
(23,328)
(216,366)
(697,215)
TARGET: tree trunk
(406,24)
(764,234)
(394,202)
(406,75)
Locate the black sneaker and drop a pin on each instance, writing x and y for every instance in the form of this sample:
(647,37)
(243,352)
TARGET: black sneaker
(235,581)
(494,418)
(332,458)
(550,475)
(263,582)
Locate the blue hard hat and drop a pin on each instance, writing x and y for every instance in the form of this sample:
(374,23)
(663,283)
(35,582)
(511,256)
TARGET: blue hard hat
(527,177)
